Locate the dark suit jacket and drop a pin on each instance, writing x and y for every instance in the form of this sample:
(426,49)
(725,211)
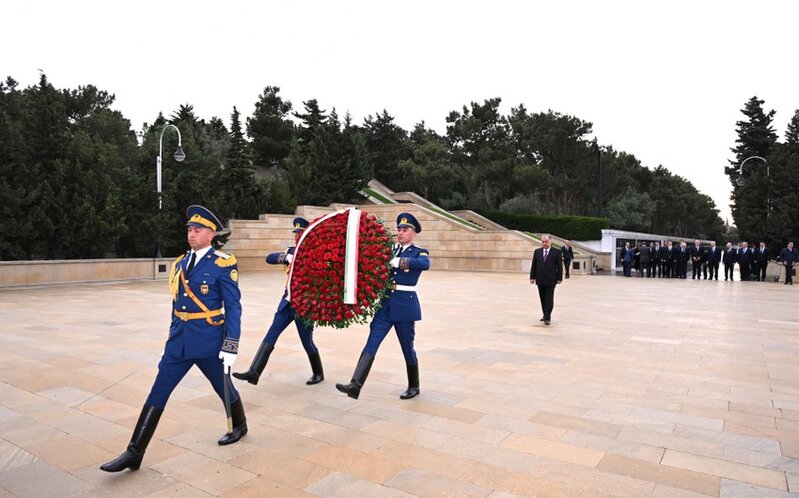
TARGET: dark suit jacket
(713,254)
(697,253)
(745,258)
(730,257)
(762,257)
(568,253)
(549,272)
(788,255)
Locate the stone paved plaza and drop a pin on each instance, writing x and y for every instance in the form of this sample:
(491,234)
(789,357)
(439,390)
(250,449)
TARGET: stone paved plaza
(640,387)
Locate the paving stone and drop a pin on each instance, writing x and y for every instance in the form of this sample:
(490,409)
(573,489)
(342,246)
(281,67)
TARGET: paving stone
(586,407)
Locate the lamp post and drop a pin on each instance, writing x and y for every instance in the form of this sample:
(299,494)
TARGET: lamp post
(599,161)
(179,157)
(741,181)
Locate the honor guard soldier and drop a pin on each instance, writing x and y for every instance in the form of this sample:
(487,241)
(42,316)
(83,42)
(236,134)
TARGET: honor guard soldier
(205,330)
(399,309)
(284,315)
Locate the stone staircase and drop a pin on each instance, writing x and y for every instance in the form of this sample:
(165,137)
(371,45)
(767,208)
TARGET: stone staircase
(454,243)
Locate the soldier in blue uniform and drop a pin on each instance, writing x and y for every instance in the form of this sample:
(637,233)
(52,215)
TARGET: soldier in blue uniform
(400,309)
(205,330)
(284,315)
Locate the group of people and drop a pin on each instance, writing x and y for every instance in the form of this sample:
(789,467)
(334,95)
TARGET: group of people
(671,260)
(206,327)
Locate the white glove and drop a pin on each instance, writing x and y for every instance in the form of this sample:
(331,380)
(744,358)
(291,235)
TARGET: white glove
(289,258)
(228,359)
(394,262)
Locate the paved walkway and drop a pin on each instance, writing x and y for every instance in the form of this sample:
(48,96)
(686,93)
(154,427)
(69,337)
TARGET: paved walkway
(640,387)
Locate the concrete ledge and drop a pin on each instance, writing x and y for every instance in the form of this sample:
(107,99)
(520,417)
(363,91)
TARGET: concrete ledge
(32,273)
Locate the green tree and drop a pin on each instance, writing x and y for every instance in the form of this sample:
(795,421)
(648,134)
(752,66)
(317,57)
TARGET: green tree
(270,129)
(241,193)
(756,137)
(386,146)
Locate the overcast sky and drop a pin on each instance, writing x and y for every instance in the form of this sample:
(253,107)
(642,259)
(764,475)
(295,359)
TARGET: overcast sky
(664,81)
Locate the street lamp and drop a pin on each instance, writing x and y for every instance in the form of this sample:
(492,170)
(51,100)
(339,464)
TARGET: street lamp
(599,160)
(179,157)
(741,181)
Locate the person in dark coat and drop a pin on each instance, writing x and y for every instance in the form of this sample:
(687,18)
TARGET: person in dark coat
(682,260)
(788,256)
(745,258)
(697,258)
(546,272)
(730,257)
(761,255)
(712,260)
(644,255)
(667,259)
(627,257)
(568,256)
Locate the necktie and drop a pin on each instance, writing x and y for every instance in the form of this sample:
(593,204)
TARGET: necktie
(398,251)
(545,254)
(191,263)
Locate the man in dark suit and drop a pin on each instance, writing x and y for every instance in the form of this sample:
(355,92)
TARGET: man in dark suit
(546,272)
(644,254)
(788,256)
(745,258)
(730,257)
(627,256)
(668,259)
(568,256)
(762,255)
(697,258)
(682,260)
(657,257)
(712,260)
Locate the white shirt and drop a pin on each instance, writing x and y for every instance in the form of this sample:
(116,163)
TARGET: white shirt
(200,254)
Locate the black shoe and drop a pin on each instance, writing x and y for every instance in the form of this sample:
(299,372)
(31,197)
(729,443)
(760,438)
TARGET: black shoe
(413,382)
(546,322)
(353,389)
(316,367)
(239,424)
(258,364)
(542,319)
(142,434)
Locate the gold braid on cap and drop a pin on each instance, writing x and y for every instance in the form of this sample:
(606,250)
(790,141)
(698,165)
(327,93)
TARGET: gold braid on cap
(203,221)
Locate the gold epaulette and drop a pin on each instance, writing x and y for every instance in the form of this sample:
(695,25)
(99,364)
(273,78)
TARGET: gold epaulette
(174,277)
(224,259)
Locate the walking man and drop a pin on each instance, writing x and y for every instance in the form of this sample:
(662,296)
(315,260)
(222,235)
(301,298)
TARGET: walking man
(788,256)
(284,315)
(546,272)
(400,309)
(205,330)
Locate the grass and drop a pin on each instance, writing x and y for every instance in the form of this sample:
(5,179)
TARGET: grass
(455,218)
(379,197)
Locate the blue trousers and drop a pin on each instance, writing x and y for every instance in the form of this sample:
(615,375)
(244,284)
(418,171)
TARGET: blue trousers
(283,318)
(172,369)
(379,328)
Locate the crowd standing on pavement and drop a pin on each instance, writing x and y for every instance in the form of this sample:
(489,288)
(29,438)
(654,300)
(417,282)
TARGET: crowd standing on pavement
(670,260)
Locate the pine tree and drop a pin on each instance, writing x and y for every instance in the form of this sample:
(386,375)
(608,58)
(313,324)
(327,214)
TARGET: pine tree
(270,129)
(750,202)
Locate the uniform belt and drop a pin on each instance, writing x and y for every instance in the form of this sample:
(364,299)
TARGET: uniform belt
(186,316)
(405,288)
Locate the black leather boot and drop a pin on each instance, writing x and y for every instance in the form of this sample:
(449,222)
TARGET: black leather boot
(239,423)
(353,389)
(142,434)
(413,382)
(316,367)
(258,364)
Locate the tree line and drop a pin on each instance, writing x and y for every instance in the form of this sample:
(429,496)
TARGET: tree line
(76,181)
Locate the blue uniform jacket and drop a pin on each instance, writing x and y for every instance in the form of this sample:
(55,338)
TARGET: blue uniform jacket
(214,282)
(404,304)
(279,258)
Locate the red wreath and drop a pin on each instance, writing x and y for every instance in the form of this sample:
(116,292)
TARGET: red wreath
(317,280)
